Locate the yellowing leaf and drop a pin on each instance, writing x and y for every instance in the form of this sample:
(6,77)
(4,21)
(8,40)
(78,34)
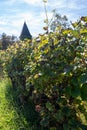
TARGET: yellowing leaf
(36,76)
(66,31)
(75,33)
(84,19)
(83,31)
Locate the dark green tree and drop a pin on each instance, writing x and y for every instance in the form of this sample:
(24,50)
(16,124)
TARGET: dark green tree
(25,34)
(6,40)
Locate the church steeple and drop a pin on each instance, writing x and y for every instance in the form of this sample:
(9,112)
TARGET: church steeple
(25,34)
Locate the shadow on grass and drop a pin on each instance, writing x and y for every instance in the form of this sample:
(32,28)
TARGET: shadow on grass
(26,113)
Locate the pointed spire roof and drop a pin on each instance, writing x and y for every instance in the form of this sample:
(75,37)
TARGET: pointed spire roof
(25,33)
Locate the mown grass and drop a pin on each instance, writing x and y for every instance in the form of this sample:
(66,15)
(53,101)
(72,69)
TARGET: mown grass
(12,115)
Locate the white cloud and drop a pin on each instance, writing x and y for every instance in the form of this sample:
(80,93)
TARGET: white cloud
(32,11)
(32,2)
(13,24)
(3,22)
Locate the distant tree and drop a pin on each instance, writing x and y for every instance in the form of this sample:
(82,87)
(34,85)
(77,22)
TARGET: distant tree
(25,34)
(0,44)
(6,40)
(58,20)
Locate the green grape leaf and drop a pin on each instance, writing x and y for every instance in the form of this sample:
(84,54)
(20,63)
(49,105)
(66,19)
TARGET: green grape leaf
(83,78)
(49,106)
(84,92)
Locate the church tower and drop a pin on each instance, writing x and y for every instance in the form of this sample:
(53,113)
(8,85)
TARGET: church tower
(25,34)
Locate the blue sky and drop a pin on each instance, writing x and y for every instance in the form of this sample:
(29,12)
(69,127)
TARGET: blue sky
(13,13)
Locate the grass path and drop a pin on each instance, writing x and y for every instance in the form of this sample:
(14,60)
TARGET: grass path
(11,117)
